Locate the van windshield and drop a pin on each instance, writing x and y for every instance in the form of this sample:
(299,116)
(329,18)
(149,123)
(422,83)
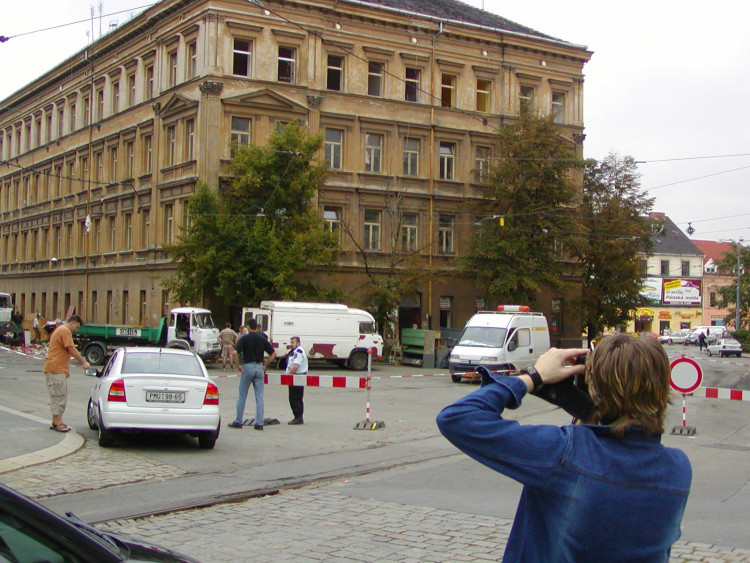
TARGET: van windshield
(483,337)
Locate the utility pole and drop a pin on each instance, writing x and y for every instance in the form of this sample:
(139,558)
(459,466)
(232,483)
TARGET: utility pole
(739,264)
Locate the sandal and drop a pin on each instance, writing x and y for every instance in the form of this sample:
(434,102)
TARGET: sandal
(62,427)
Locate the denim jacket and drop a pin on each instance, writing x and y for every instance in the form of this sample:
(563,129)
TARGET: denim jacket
(587,495)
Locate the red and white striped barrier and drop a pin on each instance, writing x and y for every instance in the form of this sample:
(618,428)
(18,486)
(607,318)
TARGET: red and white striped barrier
(337,381)
(716,393)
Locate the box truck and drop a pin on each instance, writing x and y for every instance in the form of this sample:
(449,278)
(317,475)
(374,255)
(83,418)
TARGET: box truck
(328,331)
(510,338)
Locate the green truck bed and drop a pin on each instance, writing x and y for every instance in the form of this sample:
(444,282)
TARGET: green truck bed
(122,334)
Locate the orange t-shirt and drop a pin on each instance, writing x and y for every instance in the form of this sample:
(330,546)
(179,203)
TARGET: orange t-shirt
(58,357)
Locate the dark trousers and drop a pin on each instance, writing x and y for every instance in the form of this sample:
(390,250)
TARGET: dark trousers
(296,392)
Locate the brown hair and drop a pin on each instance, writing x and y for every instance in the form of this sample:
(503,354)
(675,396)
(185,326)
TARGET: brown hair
(628,380)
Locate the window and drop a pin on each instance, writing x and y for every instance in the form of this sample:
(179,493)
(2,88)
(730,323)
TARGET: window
(411,84)
(446,316)
(373,152)
(685,267)
(171,144)
(242,57)
(286,64)
(97,230)
(332,220)
(483,95)
(98,167)
(409,232)
(372,230)
(189,140)
(130,156)
(712,299)
(168,223)
(448,90)
(128,231)
(334,142)
(335,75)
(192,60)
(109,316)
(86,111)
(411,157)
(145,228)
(558,106)
(240,134)
(447,160)
(48,132)
(445,234)
(147,154)
(527,96)
(375,74)
(482,164)
(100,104)
(172,63)
(60,122)
(112,230)
(131,90)
(113,171)
(665,267)
(115,97)
(149,82)
(125,307)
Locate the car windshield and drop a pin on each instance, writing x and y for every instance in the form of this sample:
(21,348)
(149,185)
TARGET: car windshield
(203,320)
(163,364)
(483,337)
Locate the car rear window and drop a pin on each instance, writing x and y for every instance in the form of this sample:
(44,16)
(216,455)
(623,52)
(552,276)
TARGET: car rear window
(158,363)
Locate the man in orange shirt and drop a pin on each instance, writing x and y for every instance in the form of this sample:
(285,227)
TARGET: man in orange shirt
(57,369)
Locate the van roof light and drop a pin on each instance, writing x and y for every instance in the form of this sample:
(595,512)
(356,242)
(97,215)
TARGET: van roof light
(514,308)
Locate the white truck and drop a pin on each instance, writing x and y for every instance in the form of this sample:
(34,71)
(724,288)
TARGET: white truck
(510,338)
(327,331)
(7,326)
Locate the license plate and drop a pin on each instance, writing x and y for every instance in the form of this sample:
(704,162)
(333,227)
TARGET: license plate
(164,397)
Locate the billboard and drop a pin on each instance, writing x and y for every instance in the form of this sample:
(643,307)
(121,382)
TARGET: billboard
(682,291)
(651,290)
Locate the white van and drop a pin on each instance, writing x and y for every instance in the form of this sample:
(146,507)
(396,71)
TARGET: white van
(327,331)
(711,332)
(510,338)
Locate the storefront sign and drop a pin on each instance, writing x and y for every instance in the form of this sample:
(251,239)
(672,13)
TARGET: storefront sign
(682,292)
(665,315)
(644,314)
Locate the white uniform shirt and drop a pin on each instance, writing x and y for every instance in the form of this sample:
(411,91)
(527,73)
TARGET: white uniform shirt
(297,356)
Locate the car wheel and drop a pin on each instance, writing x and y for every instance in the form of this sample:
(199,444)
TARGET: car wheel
(207,441)
(90,418)
(721,354)
(456,378)
(669,341)
(708,352)
(94,354)
(106,437)
(358,361)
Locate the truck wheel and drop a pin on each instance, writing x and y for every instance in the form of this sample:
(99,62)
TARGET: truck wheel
(90,418)
(456,378)
(95,354)
(358,361)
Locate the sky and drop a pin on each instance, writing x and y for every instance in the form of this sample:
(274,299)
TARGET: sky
(668,84)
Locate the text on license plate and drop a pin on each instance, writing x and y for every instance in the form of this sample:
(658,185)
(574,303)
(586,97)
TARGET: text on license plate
(164,397)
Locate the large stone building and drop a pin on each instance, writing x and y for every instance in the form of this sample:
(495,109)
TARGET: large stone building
(715,279)
(100,154)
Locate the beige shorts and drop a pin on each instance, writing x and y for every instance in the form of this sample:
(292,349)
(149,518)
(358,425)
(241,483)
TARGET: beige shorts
(226,351)
(57,385)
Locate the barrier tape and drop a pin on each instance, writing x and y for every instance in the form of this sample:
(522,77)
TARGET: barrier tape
(717,393)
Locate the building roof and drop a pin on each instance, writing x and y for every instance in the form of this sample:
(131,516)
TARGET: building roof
(459,12)
(713,250)
(669,239)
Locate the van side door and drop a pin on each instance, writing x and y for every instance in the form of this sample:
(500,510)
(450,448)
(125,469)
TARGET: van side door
(519,348)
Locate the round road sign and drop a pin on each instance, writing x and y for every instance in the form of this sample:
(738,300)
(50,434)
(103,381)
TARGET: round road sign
(686,375)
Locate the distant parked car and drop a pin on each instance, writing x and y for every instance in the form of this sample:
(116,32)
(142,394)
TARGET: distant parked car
(147,389)
(677,337)
(725,347)
(692,339)
(32,532)
(647,334)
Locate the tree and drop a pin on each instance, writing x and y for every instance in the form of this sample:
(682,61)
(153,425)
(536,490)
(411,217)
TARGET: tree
(728,295)
(529,212)
(255,240)
(618,234)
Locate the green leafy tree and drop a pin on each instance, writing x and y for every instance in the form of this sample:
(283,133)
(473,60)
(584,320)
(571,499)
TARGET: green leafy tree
(728,295)
(613,214)
(263,237)
(529,212)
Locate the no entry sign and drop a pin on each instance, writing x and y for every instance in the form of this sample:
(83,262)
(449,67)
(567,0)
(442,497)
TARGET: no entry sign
(686,375)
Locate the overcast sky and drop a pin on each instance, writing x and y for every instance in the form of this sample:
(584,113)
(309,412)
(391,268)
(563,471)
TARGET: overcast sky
(668,80)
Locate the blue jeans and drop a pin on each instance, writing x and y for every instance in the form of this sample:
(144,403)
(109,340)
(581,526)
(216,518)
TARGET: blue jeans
(251,373)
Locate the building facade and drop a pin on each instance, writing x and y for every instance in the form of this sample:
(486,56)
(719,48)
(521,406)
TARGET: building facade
(673,285)
(714,280)
(100,154)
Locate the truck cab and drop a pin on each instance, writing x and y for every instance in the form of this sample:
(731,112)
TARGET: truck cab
(194,326)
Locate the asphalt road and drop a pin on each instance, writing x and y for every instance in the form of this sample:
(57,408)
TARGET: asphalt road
(406,461)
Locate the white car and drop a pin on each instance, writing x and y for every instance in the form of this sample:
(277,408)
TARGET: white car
(154,389)
(725,347)
(675,337)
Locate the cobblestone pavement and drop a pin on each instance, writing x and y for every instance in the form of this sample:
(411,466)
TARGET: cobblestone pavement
(319,523)
(89,468)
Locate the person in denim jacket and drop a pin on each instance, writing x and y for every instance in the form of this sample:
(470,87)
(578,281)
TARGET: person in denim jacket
(607,490)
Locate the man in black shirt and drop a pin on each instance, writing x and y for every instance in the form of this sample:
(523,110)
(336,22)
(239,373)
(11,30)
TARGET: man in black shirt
(252,345)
